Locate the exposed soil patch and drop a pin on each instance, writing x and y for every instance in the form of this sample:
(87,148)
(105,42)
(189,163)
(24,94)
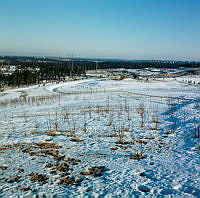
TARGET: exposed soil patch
(95,171)
(72,161)
(70,181)
(63,167)
(25,189)
(47,145)
(39,178)
(3,167)
(20,170)
(76,140)
(124,142)
(137,156)
(14,179)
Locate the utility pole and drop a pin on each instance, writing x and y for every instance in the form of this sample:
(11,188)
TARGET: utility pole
(97,64)
(72,66)
(72,63)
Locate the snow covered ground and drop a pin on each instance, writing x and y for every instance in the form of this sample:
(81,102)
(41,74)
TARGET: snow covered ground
(101,138)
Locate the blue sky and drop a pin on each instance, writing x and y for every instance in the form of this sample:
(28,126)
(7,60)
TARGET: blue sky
(136,29)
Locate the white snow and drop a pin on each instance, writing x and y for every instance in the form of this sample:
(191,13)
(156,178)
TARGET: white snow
(101,113)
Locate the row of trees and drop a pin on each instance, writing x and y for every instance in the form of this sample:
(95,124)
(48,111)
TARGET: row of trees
(147,64)
(18,78)
(28,73)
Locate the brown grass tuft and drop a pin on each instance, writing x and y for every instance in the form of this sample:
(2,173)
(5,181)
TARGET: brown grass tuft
(14,179)
(76,140)
(25,189)
(70,181)
(3,167)
(63,167)
(39,178)
(72,161)
(47,145)
(137,156)
(141,141)
(124,142)
(20,170)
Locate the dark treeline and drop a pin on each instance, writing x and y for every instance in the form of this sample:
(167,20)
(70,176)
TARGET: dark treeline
(28,73)
(138,65)
(19,78)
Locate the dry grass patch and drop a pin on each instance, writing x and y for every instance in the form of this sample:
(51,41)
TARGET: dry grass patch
(124,142)
(39,178)
(76,140)
(20,170)
(49,165)
(141,141)
(25,189)
(6,147)
(114,149)
(137,156)
(14,179)
(37,153)
(47,145)
(149,138)
(72,161)
(111,135)
(55,154)
(3,167)
(128,151)
(52,171)
(171,132)
(12,146)
(88,172)
(41,145)
(52,134)
(95,171)
(125,130)
(26,150)
(156,121)
(37,132)
(63,167)
(70,181)
(45,153)
(154,128)
(71,135)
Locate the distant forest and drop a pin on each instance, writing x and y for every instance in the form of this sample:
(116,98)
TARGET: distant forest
(32,70)
(28,73)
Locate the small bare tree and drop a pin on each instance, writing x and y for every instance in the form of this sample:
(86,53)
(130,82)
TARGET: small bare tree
(197,132)
(110,119)
(108,104)
(85,122)
(155,119)
(141,112)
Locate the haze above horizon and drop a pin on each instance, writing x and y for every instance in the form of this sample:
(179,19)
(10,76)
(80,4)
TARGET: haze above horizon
(134,29)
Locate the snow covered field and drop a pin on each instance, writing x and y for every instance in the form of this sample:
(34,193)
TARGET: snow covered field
(101,138)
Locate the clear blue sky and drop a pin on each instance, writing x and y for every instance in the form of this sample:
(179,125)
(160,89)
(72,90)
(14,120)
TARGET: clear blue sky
(137,29)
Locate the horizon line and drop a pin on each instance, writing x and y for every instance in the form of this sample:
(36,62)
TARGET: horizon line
(106,58)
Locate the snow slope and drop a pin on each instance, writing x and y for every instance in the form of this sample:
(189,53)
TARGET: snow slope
(99,123)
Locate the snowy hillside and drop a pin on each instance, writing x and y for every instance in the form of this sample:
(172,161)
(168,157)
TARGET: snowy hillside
(100,137)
